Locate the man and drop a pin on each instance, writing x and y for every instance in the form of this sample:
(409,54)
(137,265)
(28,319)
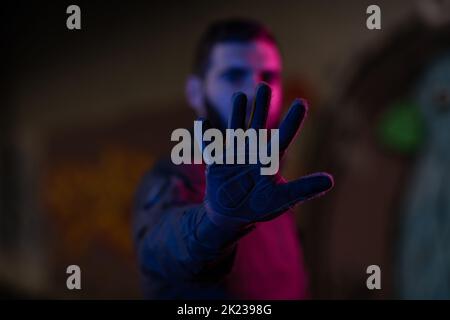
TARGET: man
(225,230)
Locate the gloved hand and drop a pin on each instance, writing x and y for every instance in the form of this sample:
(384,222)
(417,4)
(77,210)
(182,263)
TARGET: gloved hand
(237,194)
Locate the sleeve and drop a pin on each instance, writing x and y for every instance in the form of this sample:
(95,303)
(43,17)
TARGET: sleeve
(178,248)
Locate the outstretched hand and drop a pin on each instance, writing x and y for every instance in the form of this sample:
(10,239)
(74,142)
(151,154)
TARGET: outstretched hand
(239,194)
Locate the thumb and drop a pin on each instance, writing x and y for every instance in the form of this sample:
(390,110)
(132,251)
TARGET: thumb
(289,194)
(305,188)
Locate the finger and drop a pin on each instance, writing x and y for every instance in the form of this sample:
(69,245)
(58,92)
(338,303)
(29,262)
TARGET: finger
(260,109)
(291,193)
(237,119)
(288,194)
(292,122)
(306,187)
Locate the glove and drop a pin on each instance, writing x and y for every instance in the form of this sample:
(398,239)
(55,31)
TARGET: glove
(238,195)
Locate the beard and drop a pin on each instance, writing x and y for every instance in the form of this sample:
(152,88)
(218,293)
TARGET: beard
(219,123)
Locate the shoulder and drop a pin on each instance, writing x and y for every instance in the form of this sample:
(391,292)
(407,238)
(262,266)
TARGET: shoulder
(168,180)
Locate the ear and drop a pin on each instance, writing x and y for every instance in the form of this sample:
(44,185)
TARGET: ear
(194,94)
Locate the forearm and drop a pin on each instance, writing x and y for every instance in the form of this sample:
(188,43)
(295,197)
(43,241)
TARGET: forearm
(184,244)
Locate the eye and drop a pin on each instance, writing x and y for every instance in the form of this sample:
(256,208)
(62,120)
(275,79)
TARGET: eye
(234,75)
(270,76)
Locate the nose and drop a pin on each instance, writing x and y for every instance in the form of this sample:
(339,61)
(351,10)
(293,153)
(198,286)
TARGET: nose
(250,85)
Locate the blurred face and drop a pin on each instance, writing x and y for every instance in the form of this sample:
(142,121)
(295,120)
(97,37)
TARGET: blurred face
(240,67)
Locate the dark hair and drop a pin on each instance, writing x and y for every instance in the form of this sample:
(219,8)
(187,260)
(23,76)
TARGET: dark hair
(229,30)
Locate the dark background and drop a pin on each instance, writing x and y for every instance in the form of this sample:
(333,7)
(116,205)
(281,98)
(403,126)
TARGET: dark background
(85,113)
